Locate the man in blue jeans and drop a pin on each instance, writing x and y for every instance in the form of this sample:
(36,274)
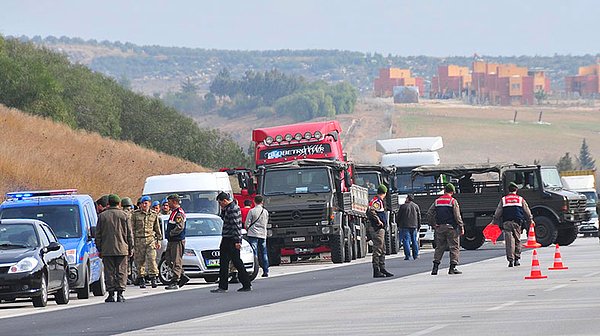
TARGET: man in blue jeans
(256,225)
(409,221)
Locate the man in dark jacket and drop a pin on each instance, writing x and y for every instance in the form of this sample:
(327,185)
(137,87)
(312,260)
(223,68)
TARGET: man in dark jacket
(231,243)
(409,221)
(114,241)
(175,234)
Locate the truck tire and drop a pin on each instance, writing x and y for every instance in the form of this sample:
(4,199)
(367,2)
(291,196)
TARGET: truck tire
(394,241)
(362,246)
(388,239)
(545,230)
(567,236)
(274,252)
(472,239)
(337,247)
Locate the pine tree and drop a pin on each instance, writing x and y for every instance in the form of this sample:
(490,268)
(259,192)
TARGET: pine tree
(585,159)
(565,163)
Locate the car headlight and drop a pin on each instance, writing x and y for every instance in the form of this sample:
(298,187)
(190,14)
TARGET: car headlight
(247,249)
(25,265)
(71,256)
(189,253)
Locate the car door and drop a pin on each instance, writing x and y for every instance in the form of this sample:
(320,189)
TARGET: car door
(54,259)
(91,219)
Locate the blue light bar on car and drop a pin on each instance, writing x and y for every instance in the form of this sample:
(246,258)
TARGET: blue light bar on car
(37,193)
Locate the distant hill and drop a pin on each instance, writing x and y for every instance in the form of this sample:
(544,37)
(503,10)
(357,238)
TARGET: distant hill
(38,153)
(156,69)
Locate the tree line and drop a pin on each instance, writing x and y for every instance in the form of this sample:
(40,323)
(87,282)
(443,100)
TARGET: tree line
(582,162)
(41,82)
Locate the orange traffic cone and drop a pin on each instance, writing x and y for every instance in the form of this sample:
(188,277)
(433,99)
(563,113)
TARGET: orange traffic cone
(531,242)
(558,265)
(536,272)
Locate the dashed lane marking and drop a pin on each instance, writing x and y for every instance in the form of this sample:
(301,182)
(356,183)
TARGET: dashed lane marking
(504,305)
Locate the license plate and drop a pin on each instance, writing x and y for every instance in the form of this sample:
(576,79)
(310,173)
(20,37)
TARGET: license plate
(298,239)
(212,262)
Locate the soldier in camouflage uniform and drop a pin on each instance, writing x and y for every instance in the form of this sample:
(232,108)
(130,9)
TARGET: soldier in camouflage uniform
(148,235)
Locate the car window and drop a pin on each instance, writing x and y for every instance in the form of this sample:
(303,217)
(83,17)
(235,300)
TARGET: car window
(49,233)
(43,236)
(18,236)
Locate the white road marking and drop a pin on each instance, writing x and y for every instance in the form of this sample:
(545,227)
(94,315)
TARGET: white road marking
(555,288)
(429,330)
(591,274)
(504,305)
(213,317)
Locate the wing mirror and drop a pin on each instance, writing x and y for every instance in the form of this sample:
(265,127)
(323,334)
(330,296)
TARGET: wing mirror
(53,246)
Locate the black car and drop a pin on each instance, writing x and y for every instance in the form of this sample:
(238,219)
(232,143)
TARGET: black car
(32,263)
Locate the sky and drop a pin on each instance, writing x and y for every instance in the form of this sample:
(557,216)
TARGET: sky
(398,27)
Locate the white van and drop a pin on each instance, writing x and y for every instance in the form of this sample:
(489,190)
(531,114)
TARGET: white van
(198,191)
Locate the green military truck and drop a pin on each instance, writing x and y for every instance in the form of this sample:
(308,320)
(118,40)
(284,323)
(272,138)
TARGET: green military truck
(370,177)
(479,187)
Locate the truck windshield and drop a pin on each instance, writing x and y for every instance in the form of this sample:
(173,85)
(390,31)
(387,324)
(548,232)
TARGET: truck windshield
(63,219)
(194,201)
(551,178)
(406,185)
(296,181)
(368,180)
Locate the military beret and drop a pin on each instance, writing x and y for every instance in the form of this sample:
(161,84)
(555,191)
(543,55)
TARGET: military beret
(382,189)
(164,201)
(174,197)
(449,187)
(145,199)
(114,199)
(155,203)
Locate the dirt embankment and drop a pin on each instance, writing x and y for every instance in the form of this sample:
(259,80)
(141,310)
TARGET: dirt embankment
(36,153)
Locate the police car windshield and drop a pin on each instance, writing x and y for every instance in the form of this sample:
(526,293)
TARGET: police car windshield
(296,181)
(63,219)
(368,180)
(201,227)
(194,201)
(17,236)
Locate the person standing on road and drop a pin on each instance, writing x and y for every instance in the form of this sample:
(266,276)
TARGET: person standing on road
(409,221)
(444,216)
(256,224)
(245,210)
(512,214)
(148,235)
(231,243)
(378,220)
(114,241)
(175,234)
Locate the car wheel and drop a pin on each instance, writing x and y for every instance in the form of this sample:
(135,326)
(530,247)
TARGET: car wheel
(62,296)
(211,278)
(165,274)
(42,299)
(99,287)
(84,292)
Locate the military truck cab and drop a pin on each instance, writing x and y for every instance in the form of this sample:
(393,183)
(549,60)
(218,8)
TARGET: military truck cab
(557,212)
(73,219)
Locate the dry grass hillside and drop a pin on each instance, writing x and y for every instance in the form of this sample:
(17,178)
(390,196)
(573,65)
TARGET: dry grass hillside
(470,133)
(37,153)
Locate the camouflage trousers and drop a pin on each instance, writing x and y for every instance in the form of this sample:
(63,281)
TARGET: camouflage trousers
(145,257)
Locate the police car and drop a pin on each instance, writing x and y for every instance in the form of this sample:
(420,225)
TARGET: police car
(73,219)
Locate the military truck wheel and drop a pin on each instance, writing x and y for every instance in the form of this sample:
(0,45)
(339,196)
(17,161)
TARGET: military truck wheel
(388,240)
(395,242)
(84,292)
(567,236)
(347,244)
(99,287)
(545,230)
(274,253)
(472,239)
(337,247)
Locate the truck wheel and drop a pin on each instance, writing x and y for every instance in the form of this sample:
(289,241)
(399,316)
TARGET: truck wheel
(388,240)
(545,230)
(337,247)
(84,292)
(472,240)
(99,287)
(347,244)
(362,244)
(567,236)
(394,242)
(274,253)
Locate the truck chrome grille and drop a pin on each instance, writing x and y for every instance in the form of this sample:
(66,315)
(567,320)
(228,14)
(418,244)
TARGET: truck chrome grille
(298,217)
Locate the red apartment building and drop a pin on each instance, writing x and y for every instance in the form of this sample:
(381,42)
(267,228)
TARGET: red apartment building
(390,77)
(586,83)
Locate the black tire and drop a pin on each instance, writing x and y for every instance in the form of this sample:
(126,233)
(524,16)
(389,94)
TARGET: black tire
(347,244)
(99,287)
(545,230)
(254,273)
(363,246)
(165,274)
(472,239)
(337,247)
(388,240)
(274,252)
(62,296)
(42,299)
(395,242)
(211,278)
(84,292)
(567,236)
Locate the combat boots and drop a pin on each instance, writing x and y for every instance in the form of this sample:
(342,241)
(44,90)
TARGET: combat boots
(517,263)
(111,297)
(183,280)
(120,297)
(434,270)
(510,263)
(385,272)
(142,282)
(453,270)
(377,273)
(153,282)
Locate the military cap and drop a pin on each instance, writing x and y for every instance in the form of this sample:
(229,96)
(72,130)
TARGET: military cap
(114,199)
(382,189)
(174,197)
(155,203)
(449,187)
(164,201)
(145,199)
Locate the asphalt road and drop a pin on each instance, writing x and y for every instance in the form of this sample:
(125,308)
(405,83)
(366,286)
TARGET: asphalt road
(345,300)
